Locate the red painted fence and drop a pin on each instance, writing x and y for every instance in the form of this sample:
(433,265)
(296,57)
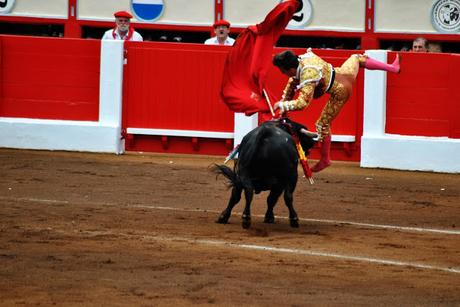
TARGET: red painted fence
(176,86)
(49,78)
(424,99)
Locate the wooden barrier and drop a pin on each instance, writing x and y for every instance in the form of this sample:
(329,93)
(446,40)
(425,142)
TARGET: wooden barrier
(172,89)
(66,94)
(48,78)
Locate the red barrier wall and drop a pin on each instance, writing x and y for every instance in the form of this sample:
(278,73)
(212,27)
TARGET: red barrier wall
(49,78)
(176,86)
(424,99)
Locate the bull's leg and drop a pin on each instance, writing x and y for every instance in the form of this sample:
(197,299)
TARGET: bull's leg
(288,199)
(271,202)
(248,194)
(234,199)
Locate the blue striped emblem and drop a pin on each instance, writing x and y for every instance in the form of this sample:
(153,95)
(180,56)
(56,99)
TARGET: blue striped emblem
(147,10)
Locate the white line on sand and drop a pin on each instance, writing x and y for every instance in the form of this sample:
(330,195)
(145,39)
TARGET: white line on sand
(329,255)
(358,224)
(324,221)
(264,248)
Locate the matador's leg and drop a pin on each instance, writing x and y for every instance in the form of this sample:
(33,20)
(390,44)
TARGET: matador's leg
(350,67)
(339,95)
(372,64)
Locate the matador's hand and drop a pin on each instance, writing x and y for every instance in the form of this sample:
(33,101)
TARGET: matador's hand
(279,105)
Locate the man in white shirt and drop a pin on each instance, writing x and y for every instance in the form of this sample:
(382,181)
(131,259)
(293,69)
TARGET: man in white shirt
(123,30)
(221,29)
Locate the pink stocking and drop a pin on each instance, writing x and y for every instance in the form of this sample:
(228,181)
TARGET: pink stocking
(325,160)
(376,65)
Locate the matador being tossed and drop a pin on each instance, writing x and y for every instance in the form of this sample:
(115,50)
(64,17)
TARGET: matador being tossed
(250,59)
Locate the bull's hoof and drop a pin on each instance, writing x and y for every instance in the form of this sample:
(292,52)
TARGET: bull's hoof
(269,220)
(246,223)
(222,219)
(294,222)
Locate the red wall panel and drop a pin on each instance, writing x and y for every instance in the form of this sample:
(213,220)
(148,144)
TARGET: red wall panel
(454,96)
(176,86)
(423,99)
(50,78)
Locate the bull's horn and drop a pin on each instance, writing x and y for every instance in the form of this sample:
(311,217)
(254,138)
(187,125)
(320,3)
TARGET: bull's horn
(308,133)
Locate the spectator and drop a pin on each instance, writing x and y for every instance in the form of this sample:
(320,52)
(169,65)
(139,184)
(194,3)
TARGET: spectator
(419,45)
(434,47)
(221,29)
(406,48)
(123,30)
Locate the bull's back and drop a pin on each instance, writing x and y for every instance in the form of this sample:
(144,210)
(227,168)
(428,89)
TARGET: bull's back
(268,155)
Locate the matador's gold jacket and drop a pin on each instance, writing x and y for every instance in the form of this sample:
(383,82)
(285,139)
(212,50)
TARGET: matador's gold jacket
(313,79)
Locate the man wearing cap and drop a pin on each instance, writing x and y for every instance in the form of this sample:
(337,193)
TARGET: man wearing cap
(221,28)
(123,30)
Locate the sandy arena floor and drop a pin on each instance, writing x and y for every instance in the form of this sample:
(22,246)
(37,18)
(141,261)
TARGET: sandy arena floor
(139,230)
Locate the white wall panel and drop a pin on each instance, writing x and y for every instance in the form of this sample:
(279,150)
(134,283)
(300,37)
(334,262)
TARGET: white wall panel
(408,16)
(41,9)
(327,14)
(181,12)
(242,13)
(338,15)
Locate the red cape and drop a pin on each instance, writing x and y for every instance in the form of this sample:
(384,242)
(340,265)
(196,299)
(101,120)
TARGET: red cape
(250,59)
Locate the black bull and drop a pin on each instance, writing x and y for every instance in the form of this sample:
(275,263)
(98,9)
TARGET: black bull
(267,160)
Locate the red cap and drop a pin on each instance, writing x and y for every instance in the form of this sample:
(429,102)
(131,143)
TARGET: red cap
(221,22)
(123,14)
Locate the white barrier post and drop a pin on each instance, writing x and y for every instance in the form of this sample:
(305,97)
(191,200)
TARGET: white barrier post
(243,124)
(379,149)
(375,95)
(111,87)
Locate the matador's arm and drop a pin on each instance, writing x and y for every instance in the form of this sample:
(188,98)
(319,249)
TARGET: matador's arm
(289,90)
(302,101)
(309,78)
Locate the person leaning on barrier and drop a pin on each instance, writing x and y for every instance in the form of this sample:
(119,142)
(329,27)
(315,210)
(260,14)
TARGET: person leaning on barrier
(123,29)
(313,77)
(420,44)
(435,47)
(221,29)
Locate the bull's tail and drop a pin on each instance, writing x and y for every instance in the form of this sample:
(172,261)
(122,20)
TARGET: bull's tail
(227,172)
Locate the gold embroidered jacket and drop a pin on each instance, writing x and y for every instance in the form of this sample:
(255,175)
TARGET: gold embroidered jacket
(312,80)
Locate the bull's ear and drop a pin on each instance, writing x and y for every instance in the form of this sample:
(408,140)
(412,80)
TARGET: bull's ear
(309,133)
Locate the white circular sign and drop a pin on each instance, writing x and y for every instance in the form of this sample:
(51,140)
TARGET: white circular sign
(6,6)
(445,16)
(302,18)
